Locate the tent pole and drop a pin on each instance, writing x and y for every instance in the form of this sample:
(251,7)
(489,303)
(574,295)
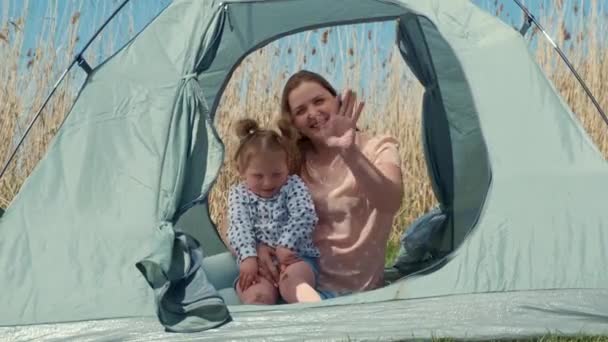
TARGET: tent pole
(530,18)
(78,59)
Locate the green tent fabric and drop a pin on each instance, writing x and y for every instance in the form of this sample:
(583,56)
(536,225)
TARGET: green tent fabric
(113,223)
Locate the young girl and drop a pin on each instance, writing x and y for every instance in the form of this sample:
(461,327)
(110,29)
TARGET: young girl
(271,206)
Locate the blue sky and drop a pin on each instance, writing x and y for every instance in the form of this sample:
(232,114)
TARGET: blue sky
(139,12)
(42,14)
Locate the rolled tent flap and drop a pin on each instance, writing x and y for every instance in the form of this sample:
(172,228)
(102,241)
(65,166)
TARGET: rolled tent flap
(185,299)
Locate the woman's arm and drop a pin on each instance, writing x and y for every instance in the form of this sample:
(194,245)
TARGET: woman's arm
(381,183)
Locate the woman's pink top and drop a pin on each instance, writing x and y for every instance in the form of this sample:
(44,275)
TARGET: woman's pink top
(351,233)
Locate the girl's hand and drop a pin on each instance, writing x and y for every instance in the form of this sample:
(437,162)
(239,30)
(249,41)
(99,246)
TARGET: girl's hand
(248,273)
(286,256)
(339,132)
(266,265)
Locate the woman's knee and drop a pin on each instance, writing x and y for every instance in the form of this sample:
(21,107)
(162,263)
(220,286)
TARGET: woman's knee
(263,293)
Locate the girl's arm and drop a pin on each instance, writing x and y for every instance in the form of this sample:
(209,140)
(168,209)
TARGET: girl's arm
(302,216)
(240,229)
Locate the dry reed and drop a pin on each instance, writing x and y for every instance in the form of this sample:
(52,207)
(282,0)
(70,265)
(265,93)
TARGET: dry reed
(357,56)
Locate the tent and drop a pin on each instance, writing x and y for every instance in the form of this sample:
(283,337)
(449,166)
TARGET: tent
(111,234)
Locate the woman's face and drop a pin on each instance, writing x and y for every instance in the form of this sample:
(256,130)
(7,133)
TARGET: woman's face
(311,105)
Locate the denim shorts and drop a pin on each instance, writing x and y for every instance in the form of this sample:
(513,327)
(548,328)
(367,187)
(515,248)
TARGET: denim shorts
(314,265)
(313,262)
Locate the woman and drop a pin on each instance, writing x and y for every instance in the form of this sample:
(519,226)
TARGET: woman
(355,182)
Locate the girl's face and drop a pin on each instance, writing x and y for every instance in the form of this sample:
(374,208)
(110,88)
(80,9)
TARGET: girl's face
(311,106)
(266,173)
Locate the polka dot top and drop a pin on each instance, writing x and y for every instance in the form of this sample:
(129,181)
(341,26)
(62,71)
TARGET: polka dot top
(286,219)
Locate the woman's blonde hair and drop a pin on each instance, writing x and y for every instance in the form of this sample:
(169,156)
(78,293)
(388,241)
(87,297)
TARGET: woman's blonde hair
(254,140)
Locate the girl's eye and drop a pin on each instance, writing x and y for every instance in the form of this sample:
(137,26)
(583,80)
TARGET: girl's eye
(319,101)
(299,111)
(257,176)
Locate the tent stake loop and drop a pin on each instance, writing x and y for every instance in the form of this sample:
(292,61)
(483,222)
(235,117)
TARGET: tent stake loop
(84,64)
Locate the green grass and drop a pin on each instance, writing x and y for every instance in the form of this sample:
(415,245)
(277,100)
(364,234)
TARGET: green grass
(548,338)
(392,250)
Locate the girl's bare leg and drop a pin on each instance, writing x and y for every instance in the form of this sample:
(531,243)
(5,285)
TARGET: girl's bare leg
(262,293)
(296,284)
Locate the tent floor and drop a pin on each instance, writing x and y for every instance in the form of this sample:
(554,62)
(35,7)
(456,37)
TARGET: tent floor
(473,316)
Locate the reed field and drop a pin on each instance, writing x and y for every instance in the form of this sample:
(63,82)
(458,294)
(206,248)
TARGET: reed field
(361,57)
(393,96)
